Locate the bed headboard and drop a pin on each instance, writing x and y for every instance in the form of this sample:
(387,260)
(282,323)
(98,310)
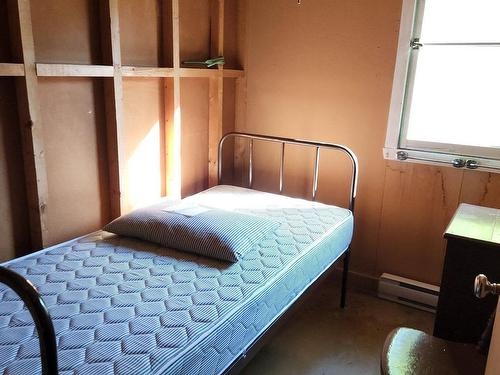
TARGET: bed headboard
(298,142)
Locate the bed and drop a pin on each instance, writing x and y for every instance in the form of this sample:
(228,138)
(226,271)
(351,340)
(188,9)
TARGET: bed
(108,304)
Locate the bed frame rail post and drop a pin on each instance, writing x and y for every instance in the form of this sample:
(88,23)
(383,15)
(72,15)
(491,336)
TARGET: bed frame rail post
(250,165)
(40,314)
(315,177)
(345,272)
(282,166)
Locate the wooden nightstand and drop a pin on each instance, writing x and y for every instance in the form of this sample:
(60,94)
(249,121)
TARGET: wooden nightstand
(473,247)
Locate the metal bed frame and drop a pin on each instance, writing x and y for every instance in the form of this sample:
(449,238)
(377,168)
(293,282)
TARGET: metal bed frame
(43,322)
(298,142)
(38,310)
(240,362)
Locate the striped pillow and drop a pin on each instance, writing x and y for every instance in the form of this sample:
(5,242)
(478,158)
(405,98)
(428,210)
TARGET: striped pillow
(220,234)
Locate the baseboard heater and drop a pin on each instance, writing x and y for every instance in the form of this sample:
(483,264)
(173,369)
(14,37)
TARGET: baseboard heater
(408,292)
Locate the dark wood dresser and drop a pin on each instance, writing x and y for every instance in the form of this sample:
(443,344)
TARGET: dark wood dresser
(473,247)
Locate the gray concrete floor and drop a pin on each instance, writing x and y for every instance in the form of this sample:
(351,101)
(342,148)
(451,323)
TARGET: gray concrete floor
(323,339)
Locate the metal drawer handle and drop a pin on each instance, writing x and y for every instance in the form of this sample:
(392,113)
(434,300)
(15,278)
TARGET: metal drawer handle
(482,287)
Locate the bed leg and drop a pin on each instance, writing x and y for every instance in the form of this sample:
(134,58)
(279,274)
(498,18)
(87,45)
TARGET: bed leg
(344,278)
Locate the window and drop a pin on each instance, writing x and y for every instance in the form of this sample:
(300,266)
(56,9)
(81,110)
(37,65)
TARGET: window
(445,105)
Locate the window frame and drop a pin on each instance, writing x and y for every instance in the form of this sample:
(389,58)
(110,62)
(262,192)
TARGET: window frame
(397,147)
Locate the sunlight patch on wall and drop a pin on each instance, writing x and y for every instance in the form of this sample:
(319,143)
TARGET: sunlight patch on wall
(144,170)
(174,156)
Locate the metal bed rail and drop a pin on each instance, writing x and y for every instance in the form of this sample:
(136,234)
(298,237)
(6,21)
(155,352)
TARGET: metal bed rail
(40,314)
(290,141)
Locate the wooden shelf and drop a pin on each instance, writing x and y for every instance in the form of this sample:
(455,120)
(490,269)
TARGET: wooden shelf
(198,73)
(73,70)
(11,70)
(139,71)
(233,73)
(210,73)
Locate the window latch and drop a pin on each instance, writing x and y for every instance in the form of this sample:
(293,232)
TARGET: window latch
(415,43)
(472,164)
(402,155)
(459,163)
(469,164)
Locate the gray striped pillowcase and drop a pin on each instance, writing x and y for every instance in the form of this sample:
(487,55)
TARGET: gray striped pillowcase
(220,234)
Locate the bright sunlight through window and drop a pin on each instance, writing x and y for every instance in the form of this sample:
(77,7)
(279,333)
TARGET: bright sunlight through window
(456,91)
(456,97)
(446,91)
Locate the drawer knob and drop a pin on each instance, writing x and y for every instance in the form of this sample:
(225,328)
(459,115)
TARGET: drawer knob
(482,287)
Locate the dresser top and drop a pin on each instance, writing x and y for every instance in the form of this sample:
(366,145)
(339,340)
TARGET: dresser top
(475,223)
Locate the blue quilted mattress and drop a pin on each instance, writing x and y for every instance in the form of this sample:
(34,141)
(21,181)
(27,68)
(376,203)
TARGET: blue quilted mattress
(125,306)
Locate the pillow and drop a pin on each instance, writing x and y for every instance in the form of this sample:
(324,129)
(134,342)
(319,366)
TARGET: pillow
(220,234)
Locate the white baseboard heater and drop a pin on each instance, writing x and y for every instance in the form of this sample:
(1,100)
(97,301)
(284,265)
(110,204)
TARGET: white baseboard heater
(408,292)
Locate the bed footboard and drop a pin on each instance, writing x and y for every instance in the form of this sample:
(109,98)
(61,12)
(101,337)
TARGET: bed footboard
(40,314)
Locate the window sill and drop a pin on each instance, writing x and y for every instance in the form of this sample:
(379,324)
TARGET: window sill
(439,159)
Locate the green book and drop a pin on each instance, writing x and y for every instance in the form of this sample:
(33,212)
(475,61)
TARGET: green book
(208,63)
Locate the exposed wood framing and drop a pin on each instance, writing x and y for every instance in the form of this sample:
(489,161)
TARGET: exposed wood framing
(214,127)
(240,162)
(176,48)
(113,73)
(135,71)
(233,73)
(216,90)
(72,70)
(30,121)
(210,73)
(113,90)
(114,95)
(11,70)
(173,113)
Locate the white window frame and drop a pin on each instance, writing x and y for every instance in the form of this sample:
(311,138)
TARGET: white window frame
(397,147)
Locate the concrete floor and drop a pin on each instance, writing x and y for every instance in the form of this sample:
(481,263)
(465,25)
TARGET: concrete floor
(323,339)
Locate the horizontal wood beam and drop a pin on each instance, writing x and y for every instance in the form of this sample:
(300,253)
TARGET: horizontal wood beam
(73,70)
(197,73)
(136,71)
(11,70)
(234,73)
(210,73)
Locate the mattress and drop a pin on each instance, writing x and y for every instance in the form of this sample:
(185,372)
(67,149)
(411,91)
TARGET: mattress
(123,306)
